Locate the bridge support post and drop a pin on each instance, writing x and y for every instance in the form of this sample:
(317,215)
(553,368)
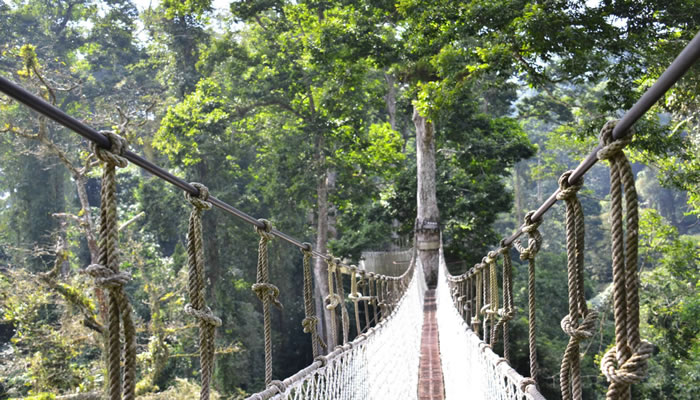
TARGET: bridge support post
(427,221)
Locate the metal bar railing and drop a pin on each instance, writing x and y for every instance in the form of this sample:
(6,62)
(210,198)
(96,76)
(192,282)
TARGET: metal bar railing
(49,110)
(673,73)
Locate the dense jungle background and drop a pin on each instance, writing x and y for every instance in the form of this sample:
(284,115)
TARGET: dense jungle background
(301,112)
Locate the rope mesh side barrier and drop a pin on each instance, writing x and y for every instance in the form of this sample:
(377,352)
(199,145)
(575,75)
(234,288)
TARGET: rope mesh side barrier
(623,365)
(469,365)
(381,363)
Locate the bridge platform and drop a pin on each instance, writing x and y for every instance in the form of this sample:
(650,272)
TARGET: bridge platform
(430,384)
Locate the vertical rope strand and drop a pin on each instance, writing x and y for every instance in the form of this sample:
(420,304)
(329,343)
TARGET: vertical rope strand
(625,364)
(310,322)
(572,325)
(107,275)
(266,292)
(197,306)
(528,253)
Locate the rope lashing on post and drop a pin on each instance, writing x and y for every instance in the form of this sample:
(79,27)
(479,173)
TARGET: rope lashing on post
(508,311)
(266,292)
(107,275)
(579,323)
(625,364)
(534,242)
(197,307)
(310,321)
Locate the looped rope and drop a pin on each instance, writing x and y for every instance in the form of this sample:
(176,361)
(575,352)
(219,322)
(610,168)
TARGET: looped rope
(310,322)
(266,292)
(577,331)
(279,385)
(570,372)
(525,382)
(106,274)
(205,315)
(630,371)
(197,307)
(107,278)
(199,201)
(611,148)
(115,154)
(630,353)
(506,313)
(534,243)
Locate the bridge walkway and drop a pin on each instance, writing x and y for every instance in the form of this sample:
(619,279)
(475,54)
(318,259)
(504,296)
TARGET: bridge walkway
(430,383)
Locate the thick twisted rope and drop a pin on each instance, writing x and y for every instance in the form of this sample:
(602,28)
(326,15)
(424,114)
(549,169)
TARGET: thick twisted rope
(195,287)
(493,291)
(355,296)
(310,322)
(478,286)
(486,275)
(508,311)
(579,324)
(107,275)
(332,299)
(528,253)
(344,317)
(625,364)
(266,292)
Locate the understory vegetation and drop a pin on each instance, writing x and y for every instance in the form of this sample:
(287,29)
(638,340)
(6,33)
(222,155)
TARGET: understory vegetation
(301,112)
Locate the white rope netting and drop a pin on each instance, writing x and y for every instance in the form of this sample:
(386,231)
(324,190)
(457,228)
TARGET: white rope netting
(381,364)
(470,368)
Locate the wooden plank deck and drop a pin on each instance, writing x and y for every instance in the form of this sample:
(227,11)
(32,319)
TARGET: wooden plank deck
(430,385)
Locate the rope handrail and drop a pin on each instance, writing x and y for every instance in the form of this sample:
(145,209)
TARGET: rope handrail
(59,116)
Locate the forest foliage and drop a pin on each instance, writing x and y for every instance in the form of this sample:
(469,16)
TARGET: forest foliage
(300,112)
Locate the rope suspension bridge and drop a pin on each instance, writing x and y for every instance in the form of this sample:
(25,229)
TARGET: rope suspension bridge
(413,342)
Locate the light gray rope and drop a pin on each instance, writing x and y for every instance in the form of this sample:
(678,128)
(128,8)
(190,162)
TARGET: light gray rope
(107,275)
(195,286)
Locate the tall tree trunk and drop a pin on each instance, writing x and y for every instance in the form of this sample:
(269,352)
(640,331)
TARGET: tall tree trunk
(427,220)
(320,270)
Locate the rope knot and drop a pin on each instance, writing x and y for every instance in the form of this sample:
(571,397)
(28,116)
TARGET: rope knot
(582,331)
(333,300)
(200,200)
(106,277)
(534,241)
(525,382)
(567,190)
(204,314)
(632,370)
(310,324)
(266,231)
(267,291)
(490,257)
(279,385)
(115,154)
(612,147)
(322,359)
